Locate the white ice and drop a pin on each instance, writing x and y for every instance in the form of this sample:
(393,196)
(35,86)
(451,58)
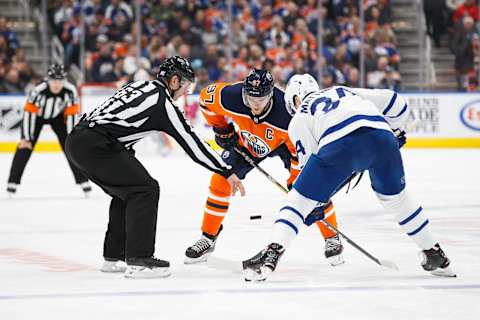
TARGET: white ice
(51,242)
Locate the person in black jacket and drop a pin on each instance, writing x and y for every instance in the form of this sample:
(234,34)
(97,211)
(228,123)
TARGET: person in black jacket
(101,145)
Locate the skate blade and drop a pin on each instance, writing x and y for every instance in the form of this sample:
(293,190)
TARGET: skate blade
(201,259)
(138,272)
(251,275)
(111,267)
(336,260)
(445,272)
(217,263)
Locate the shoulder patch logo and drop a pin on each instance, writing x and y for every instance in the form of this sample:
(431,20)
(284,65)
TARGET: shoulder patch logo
(255,144)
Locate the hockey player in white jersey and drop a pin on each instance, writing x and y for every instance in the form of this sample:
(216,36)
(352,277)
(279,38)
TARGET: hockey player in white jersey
(338,131)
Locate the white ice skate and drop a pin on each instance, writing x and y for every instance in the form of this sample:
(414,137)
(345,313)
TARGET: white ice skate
(113,266)
(333,250)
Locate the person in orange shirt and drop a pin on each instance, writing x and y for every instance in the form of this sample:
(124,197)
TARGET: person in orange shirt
(257,108)
(54,102)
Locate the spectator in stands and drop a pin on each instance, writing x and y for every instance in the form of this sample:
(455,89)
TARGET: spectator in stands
(71,37)
(62,15)
(5,51)
(19,62)
(12,83)
(9,35)
(463,48)
(468,8)
(263,32)
(103,69)
(118,7)
(435,11)
(377,76)
(353,77)
(119,28)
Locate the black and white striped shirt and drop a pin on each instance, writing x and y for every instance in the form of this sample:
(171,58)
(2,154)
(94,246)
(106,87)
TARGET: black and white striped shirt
(42,103)
(144,107)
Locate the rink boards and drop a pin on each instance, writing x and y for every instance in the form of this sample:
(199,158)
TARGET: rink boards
(440,120)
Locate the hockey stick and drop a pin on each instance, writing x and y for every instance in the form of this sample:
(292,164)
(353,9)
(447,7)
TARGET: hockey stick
(224,264)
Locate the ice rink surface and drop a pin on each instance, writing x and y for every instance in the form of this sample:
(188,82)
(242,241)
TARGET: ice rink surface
(51,241)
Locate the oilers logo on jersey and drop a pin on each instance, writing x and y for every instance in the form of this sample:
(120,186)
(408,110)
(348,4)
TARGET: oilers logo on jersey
(255,144)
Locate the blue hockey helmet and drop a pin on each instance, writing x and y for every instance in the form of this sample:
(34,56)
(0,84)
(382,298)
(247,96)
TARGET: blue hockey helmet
(258,83)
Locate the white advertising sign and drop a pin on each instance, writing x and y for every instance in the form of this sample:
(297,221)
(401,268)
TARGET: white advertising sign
(444,115)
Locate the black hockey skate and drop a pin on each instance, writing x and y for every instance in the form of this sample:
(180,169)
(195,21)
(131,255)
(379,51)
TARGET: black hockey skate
(11,189)
(147,267)
(86,188)
(202,249)
(333,250)
(259,267)
(436,262)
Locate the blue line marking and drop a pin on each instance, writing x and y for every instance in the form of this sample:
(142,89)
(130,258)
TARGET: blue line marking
(239,291)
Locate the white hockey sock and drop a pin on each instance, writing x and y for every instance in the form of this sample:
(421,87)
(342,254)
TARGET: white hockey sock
(410,217)
(291,217)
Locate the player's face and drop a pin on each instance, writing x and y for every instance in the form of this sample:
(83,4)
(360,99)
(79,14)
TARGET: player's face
(258,104)
(55,85)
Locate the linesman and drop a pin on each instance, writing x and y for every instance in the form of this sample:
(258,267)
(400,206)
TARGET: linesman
(54,102)
(102,146)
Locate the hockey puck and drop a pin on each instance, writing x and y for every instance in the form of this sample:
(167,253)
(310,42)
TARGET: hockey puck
(255,217)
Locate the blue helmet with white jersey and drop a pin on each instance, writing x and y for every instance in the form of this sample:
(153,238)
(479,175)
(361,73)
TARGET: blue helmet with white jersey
(299,86)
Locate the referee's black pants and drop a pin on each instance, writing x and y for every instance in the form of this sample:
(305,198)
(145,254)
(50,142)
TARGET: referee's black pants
(21,157)
(133,209)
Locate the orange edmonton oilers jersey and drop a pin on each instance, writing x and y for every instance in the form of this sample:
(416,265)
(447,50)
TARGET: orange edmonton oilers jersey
(259,135)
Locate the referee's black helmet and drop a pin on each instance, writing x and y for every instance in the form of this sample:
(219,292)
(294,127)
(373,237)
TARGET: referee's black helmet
(56,71)
(176,65)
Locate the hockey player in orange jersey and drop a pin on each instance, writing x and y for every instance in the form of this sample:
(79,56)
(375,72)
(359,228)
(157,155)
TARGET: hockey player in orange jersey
(258,109)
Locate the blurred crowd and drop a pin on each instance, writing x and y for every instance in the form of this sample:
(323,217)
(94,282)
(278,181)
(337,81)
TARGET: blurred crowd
(278,35)
(455,23)
(15,73)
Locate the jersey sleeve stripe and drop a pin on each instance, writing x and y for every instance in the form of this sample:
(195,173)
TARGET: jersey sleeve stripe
(196,148)
(350,120)
(401,112)
(390,104)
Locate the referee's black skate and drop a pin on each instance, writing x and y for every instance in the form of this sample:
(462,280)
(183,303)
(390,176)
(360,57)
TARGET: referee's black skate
(333,250)
(11,189)
(146,268)
(86,188)
(259,267)
(436,262)
(202,249)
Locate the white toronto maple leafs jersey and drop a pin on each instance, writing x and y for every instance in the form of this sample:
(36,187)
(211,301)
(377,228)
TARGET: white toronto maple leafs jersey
(330,114)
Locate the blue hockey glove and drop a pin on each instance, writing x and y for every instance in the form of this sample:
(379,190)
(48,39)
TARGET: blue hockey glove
(317,214)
